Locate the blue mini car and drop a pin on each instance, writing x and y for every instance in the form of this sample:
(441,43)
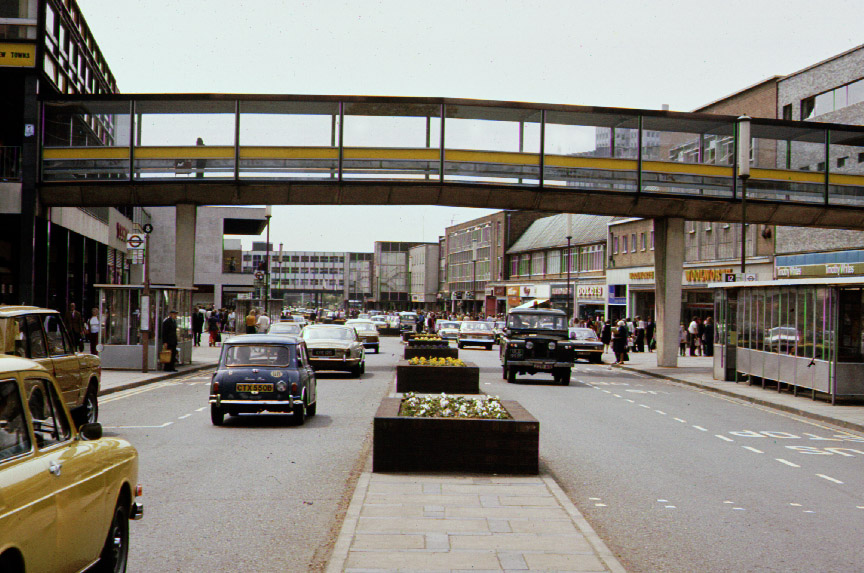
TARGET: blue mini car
(263,373)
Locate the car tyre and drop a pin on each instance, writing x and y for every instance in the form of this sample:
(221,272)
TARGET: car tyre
(511,375)
(459,345)
(377,349)
(217,415)
(299,414)
(115,552)
(504,372)
(91,404)
(356,372)
(562,376)
(312,409)
(488,347)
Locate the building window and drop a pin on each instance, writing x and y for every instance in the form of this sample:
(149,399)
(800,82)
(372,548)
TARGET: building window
(514,266)
(538,263)
(808,106)
(841,161)
(787,111)
(643,240)
(633,243)
(624,245)
(652,240)
(820,166)
(553,262)
(614,245)
(861,158)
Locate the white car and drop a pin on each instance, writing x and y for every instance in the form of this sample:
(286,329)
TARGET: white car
(447,329)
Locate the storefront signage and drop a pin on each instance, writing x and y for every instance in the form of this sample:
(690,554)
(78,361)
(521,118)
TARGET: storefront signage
(499,291)
(705,275)
(529,291)
(560,291)
(823,270)
(135,241)
(17,55)
(642,276)
(122,232)
(592,292)
(512,291)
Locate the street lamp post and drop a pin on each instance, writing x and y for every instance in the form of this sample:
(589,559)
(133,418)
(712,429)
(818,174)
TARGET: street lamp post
(743,174)
(267,271)
(474,280)
(569,294)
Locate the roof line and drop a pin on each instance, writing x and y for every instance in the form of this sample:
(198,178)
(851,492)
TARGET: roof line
(825,61)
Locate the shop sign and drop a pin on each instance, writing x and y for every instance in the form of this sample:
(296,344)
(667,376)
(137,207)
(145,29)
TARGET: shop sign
(457,295)
(642,276)
(17,55)
(122,232)
(468,295)
(594,292)
(705,275)
(513,291)
(822,270)
(499,291)
(513,301)
(528,291)
(560,291)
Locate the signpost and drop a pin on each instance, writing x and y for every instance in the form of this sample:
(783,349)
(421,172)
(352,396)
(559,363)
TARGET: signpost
(145,298)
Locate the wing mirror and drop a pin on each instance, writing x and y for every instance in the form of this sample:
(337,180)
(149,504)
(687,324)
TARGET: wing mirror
(92,431)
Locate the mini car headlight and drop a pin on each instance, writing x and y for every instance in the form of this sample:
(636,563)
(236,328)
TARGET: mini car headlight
(281,386)
(551,346)
(529,345)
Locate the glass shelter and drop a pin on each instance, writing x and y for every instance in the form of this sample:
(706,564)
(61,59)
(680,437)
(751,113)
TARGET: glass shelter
(803,334)
(120,307)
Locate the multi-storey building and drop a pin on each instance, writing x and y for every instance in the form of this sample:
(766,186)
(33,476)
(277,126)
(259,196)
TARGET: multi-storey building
(475,252)
(391,282)
(544,264)
(301,277)
(423,266)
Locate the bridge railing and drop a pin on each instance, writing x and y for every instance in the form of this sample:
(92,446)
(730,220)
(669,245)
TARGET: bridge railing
(210,138)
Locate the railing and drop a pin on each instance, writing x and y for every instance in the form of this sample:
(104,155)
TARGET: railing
(141,138)
(10,163)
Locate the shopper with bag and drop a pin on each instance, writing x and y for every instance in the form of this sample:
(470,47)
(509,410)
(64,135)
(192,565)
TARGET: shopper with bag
(620,337)
(213,328)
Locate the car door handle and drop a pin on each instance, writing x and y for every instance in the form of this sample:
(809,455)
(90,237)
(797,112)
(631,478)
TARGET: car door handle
(55,468)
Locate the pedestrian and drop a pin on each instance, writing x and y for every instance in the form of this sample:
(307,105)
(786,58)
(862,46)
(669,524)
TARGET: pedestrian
(94,326)
(75,322)
(682,340)
(263,323)
(620,337)
(251,321)
(692,333)
(197,325)
(232,321)
(650,330)
(169,339)
(639,341)
(606,336)
(708,337)
(213,328)
(700,332)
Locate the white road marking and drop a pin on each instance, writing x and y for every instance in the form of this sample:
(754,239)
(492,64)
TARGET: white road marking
(644,406)
(680,420)
(617,395)
(631,401)
(595,498)
(829,478)
(670,507)
(809,511)
(788,463)
(738,508)
(859,506)
(722,437)
(660,412)
(487,383)
(728,501)
(201,409)
(754,450)
(599,505)
(607,391)
(795,504)
(701,429)
(184,417)
(165,425)
(662,501)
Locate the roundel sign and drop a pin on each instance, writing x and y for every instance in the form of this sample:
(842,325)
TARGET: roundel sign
(135,241)
(259,275)
(148,228)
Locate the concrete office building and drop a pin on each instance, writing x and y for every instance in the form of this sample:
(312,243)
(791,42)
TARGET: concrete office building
(391,283)
(423,267)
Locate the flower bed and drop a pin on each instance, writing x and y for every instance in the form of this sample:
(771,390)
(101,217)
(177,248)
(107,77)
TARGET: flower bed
(428,444)
(441,377)
(444,406)
(427,342)
(430,352)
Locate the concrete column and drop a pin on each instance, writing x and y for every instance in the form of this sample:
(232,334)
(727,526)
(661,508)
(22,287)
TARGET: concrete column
(668,268)
(217,295)
(184,244)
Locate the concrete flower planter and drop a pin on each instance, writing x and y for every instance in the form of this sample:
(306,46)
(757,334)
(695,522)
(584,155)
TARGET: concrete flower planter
(412,342)
(389,331)
(403,444)
(431,352)
(436,379)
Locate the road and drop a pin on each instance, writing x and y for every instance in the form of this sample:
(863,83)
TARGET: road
(678,479)
(256,494)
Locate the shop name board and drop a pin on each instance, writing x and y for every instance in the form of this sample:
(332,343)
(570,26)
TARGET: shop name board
(590,291)
(706,275)
(822,270)
(642,276)
(122,232)
(17,55)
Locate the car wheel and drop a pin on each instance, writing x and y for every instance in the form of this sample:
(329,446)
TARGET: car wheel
(217,415)
(488,347)
(355,371)
(299,414)
(562,376)
(459,345)
(511,375)
(91,404)
(312,409)
(504,372)
(377,350)
(116,549)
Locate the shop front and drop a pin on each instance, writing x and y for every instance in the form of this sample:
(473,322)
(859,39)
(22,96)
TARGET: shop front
(805,334)
(520,294)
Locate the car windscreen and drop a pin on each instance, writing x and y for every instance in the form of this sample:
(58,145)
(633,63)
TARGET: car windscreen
(476,327)
(536,321)
(328,334)
(258,355)
(368,328)
(443,325)
(281,328)
(583,334)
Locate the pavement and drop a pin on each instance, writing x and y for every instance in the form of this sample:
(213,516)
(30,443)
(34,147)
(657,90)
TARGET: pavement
(203,357)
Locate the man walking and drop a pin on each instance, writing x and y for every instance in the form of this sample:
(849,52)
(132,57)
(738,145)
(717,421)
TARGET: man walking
(76,326)
(197,325)
(169,339)
(94,325)
(263,323)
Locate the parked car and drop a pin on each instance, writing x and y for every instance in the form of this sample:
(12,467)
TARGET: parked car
(475,333)
(263,373)
(41,335)
(407,322)
(367,332)
(335,347)
(380,321)
(299,319)
(447,329)
(66,493)
(537,340)
(586,344)
(289,328)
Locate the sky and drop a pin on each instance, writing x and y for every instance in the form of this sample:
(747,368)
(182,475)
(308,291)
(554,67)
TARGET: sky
(615,53)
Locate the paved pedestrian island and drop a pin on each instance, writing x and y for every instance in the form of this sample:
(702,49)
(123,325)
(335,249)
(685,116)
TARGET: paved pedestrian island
(410,522)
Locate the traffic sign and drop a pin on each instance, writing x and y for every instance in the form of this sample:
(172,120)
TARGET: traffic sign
(148,228)
(259,275)
(135,241)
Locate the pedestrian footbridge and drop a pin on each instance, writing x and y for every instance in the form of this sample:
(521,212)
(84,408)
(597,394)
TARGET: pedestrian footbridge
(332,150)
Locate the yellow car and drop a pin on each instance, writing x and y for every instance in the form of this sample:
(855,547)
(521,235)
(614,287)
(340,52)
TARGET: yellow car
(66,494)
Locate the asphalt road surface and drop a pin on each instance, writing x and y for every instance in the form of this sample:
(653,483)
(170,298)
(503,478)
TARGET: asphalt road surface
(256,494)
(677,479)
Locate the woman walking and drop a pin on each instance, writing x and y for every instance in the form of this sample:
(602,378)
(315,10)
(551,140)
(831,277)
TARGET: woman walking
(606,336)
(213,328)
(620,338)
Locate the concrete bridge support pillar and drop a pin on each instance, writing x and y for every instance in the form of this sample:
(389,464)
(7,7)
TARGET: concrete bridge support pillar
(186,218)
(668,268)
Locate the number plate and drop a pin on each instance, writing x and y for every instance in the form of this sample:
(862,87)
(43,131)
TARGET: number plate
(324,352)
(544,366)
(254,387)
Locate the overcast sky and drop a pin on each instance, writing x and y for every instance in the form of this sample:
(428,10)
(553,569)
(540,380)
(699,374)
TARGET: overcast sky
(613,53)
